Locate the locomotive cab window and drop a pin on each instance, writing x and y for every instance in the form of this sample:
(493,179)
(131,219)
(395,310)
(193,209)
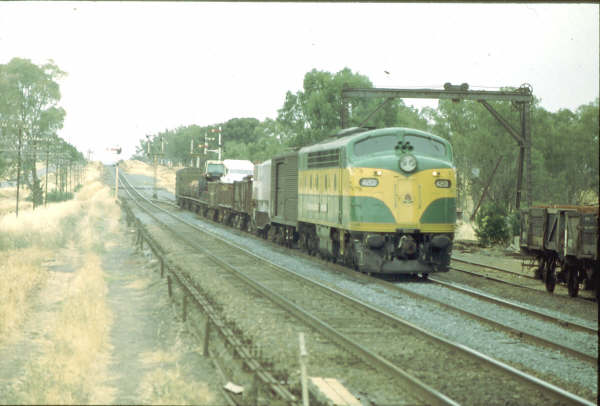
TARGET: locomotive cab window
(426,146)
(375,144)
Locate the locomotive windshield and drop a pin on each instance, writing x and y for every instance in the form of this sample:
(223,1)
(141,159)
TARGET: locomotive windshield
(421,145)
(426,146)
(375,144)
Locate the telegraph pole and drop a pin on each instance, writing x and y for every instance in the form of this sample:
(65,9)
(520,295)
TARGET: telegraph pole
(46,184)
(19,169)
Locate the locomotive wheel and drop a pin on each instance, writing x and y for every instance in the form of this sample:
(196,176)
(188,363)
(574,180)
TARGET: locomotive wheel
(551,275)
(573,280)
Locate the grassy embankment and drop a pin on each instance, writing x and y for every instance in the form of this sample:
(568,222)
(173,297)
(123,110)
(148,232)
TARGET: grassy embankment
(69,370)
(74,365)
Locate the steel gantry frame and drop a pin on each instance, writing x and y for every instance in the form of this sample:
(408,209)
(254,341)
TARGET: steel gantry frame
(522,97)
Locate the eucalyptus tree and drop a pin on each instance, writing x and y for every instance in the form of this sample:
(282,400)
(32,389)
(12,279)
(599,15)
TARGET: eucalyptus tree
(315,112)
(30,112)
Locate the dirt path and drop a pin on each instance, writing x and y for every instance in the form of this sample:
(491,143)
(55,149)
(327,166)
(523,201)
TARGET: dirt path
(101,330)
(156,360)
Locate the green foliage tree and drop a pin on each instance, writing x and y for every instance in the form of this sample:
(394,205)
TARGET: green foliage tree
(491,226)
(564,144)
(310,115)
(29,113)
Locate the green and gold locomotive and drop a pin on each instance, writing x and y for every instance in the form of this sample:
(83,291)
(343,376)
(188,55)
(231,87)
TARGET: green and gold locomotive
(382,201)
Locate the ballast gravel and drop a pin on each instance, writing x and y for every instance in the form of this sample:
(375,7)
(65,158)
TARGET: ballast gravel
(562,370)
(576,376)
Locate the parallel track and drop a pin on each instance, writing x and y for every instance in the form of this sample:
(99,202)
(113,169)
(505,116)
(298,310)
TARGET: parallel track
(429,395)
(533,284)
(376,360)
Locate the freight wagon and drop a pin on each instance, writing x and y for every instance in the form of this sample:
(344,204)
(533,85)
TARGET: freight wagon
(564,237)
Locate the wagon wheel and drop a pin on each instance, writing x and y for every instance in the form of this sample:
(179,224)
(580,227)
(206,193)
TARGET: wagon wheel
(539,271)
(550,274)
(573,280)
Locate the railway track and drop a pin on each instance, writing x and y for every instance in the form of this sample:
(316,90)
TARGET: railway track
(505,276)
(370,334)
(589,334)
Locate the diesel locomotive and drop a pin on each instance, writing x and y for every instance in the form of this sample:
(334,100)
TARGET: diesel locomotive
(378,200)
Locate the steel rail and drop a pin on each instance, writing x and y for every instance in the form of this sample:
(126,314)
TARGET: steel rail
(537,339)
(537,383)
(495,268)
(192,292)
(412,384)
(537,288)
(496,300)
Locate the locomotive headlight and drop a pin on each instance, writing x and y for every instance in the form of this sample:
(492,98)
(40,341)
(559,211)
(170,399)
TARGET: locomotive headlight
(408,163)
(444,183)
(370,182)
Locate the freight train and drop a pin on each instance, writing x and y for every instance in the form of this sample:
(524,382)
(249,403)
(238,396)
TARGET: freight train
(564,237)
(378,200)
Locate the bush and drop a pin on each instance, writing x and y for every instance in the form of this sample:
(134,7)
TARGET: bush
(58,196)
(491,226)
(514,221)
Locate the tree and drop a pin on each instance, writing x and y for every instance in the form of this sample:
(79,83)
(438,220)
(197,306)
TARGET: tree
(29,112)
(315,113)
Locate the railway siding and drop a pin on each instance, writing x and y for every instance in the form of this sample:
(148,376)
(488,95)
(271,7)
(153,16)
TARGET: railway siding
(560,369)
(518,395)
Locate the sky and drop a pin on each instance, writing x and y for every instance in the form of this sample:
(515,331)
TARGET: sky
(139,68)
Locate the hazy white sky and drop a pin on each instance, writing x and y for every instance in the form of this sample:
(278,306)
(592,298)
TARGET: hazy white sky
(139,68)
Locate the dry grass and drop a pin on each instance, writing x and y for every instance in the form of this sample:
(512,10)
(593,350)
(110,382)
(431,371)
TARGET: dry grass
(74,337)
(8,202)
(165,176)
(72,367)
(70,370)
(22,273)
(53,226)
(169,387)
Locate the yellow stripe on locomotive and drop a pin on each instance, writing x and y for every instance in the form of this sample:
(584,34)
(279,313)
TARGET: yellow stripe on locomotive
(387,200)
(388,195)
